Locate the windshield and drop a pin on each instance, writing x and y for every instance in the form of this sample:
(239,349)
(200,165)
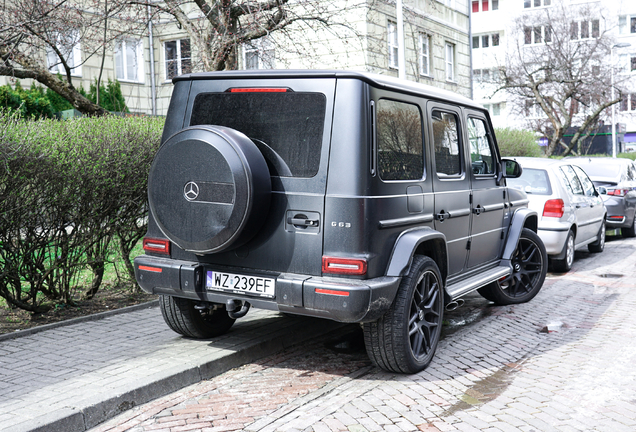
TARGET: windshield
(286,126)
(532,181)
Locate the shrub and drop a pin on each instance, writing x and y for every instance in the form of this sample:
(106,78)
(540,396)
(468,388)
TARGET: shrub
(67,189)
(517,142)
(32,103)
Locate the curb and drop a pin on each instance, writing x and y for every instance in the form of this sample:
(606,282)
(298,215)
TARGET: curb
(94,317)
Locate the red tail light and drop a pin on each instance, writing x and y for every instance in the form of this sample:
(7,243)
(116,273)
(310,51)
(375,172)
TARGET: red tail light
(161,246)
(257,90)
(554,208)
(617,192)
(348,266)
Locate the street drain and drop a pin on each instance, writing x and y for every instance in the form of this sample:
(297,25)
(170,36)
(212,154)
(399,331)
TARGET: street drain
(611,275)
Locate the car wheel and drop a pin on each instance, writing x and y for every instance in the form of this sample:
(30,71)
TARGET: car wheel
(630,232)
(209,189)
(599,244)
(565,264)
(182,317)
(405,338)
(529,264)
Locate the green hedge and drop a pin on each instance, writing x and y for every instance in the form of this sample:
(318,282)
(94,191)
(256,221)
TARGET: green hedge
(69,190)
(517,142)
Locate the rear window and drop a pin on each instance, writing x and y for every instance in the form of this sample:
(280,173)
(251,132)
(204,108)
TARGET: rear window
(532,181)
(286,126)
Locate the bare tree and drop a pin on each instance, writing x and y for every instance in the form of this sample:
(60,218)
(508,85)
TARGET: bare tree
(556,70)
(37,39)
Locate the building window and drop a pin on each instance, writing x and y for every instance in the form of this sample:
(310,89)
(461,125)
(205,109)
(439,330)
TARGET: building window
(425,54)
(129,60)
(259,54)
(393,45)
(623,26)
(484,5)
(537,35)
(486,41)
(628,102)
(535,3)
(583,29)
(69,46)
(450,62)
(178,59)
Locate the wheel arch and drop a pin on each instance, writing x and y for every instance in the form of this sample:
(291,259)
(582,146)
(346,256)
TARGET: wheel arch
(522,218)
(419,241)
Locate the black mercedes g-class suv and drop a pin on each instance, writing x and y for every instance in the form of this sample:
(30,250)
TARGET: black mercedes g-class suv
(342,195)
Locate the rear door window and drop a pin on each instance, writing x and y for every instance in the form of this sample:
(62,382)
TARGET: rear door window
(286,126)
(573,180)
(400,145)
(448,160)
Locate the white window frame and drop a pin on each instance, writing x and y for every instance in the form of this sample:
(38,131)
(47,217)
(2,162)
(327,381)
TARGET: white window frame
(425,54)
(73,54)
(449,59)
(531,4)
(392,37)
(265,54)
(481,5)
(625,24)
(179,58)
(121,51)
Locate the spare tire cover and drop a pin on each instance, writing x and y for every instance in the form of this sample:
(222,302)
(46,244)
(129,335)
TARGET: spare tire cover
(209,189)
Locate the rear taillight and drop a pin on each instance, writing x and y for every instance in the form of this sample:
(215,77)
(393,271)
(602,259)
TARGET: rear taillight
(553,208)
(617,192)
(616,218)
(347,266)
(160,246)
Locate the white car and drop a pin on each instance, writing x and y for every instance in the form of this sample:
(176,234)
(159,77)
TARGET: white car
(571,211)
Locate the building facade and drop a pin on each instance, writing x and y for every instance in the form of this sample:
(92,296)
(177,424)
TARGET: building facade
(494,36)
(436,41)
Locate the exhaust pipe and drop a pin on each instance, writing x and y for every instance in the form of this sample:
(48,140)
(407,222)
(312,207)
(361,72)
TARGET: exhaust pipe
(232,305)
(455,304)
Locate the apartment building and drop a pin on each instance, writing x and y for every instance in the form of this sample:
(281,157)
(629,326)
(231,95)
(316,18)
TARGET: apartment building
(436,44)
(494,37)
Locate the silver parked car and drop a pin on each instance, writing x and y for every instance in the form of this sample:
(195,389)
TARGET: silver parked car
(616,180)
(571,211)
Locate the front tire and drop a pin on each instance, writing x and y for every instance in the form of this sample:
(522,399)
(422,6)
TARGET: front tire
(183,318)
(529,263)
(405,338)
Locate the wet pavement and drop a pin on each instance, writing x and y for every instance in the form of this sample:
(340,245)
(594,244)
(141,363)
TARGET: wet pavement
(562,362)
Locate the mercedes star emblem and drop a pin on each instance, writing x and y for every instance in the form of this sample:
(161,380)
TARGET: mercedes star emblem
(191,191)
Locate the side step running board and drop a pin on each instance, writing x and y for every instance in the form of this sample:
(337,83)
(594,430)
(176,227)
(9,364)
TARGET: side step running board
(465,286)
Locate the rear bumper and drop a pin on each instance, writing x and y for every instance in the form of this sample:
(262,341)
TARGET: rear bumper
(339,299)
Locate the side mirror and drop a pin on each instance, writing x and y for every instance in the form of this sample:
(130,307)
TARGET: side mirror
(511,168)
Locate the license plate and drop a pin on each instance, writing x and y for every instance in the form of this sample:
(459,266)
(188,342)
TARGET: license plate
(241,284)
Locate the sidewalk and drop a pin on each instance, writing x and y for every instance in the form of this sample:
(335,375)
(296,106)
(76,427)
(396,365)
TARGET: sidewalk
(72,377)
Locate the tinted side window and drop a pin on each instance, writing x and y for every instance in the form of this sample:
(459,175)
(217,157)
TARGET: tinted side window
(573,180)
(481,152)
(446,139)
(588,186)
(400,146)
(286,126)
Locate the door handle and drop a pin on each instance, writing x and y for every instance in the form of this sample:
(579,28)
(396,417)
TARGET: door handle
(302,222)
(479,210)
(441,216)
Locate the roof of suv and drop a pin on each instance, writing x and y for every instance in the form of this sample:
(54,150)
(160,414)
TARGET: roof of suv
(380,81)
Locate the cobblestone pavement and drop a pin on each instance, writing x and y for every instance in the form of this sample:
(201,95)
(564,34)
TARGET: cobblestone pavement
(562,362)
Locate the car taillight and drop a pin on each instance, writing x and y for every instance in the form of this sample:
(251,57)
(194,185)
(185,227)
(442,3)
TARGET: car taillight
(617,192)
(161,246)
(553,208)
(348,266)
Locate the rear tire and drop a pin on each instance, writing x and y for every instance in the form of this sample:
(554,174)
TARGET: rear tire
(564,265)
(405,338)
(599,244)
(183,318)
(529,263)
(630,232)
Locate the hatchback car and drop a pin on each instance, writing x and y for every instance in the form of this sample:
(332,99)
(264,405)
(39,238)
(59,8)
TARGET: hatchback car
(571,211)
(616,180)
